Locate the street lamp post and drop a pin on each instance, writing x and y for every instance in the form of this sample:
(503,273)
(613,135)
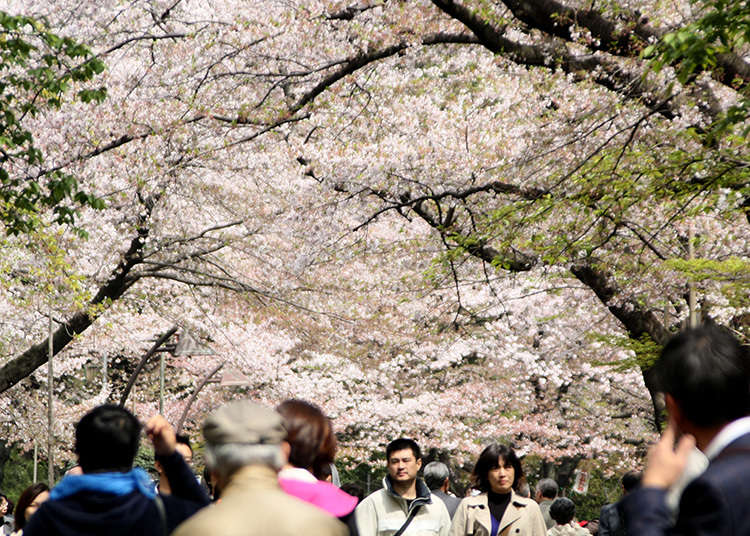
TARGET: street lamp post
(228,378)
(186,346)
(131,382)
(50,408)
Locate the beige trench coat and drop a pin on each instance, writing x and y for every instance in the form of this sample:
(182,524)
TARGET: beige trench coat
(521,518)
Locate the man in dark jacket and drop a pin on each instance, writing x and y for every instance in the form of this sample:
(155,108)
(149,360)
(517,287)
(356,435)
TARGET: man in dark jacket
(111,498)
(611,522)
(704,374)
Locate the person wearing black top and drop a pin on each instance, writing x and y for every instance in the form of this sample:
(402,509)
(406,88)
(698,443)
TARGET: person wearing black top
(498,509)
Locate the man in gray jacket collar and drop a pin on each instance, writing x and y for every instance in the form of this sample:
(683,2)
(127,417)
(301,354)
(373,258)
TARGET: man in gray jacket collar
(404,505)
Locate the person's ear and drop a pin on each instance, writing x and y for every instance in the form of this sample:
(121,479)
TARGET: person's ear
(675,414)
(419,463)
(286,450)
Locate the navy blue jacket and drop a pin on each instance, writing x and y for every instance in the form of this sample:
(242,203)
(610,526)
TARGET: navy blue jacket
(716,503)
(104,514)
(610,521)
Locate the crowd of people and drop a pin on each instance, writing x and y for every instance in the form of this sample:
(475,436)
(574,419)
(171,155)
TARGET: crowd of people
(270,472)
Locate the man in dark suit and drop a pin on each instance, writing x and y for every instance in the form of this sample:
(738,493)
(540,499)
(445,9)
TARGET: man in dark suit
(704,374)
(610,518)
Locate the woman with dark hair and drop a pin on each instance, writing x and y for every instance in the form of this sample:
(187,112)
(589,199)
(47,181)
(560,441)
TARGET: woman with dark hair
(311,446)
(498,509)
(28,503)
(309,435)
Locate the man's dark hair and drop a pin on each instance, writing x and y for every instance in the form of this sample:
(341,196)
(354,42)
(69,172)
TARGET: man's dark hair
(106,439)
(707,372)
(631,480)
(400,444)
(562,510)
(548,488)
(184,440)
(354,490)
(490,459)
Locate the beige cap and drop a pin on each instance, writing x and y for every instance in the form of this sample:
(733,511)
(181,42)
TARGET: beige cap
(245,422)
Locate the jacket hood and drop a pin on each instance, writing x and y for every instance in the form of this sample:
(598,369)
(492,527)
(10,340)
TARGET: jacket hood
(90,513)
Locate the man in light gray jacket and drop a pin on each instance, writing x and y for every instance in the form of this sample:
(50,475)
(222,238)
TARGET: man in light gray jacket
(404,506)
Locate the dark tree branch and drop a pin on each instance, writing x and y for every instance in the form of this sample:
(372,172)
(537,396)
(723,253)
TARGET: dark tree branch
(349,12)
(624,37)
(351,65)
(119,282)
(601,68)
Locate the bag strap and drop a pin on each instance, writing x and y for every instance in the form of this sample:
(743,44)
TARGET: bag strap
(162,514)
(411,515)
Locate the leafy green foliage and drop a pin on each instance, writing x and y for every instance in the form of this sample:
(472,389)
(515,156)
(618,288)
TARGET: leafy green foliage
(37,68)
(144,459)
(723,28)
(644,350)
(18,473)
(733,272)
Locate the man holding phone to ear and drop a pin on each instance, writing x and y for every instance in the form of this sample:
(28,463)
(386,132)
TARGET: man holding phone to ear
(704,374)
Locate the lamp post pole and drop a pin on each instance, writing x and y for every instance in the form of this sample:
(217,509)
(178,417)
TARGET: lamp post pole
(161,340)
(162,366)
(50,409)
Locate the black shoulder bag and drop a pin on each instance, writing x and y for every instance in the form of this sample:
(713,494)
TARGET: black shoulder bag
(411,515)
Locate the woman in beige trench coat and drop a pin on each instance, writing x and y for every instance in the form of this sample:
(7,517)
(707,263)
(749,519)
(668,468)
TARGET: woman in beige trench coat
(498,510)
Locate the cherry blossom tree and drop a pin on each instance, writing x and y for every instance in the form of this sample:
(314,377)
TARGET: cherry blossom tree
(457,221)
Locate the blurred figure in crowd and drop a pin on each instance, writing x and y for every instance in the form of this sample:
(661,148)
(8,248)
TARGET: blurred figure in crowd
(563,512)
(29,502)
(111,497)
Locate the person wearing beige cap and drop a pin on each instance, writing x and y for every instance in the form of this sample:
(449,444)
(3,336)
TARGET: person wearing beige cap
(243,451)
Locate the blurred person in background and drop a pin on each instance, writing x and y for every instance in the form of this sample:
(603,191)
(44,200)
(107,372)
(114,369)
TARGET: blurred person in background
(563,512)
(29,502)
(311,447)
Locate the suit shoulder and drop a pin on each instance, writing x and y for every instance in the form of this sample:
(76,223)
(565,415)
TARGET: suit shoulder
(523,501)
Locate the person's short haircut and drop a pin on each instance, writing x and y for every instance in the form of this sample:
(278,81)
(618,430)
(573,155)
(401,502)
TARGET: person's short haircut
(24,501)
(309,434)
(631,480)
(489,459)
(562,510)
(225,459)
(434,474)
(707,372)
(184,440)
(403,443)
(354,490)
(106,439)
(548,488)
